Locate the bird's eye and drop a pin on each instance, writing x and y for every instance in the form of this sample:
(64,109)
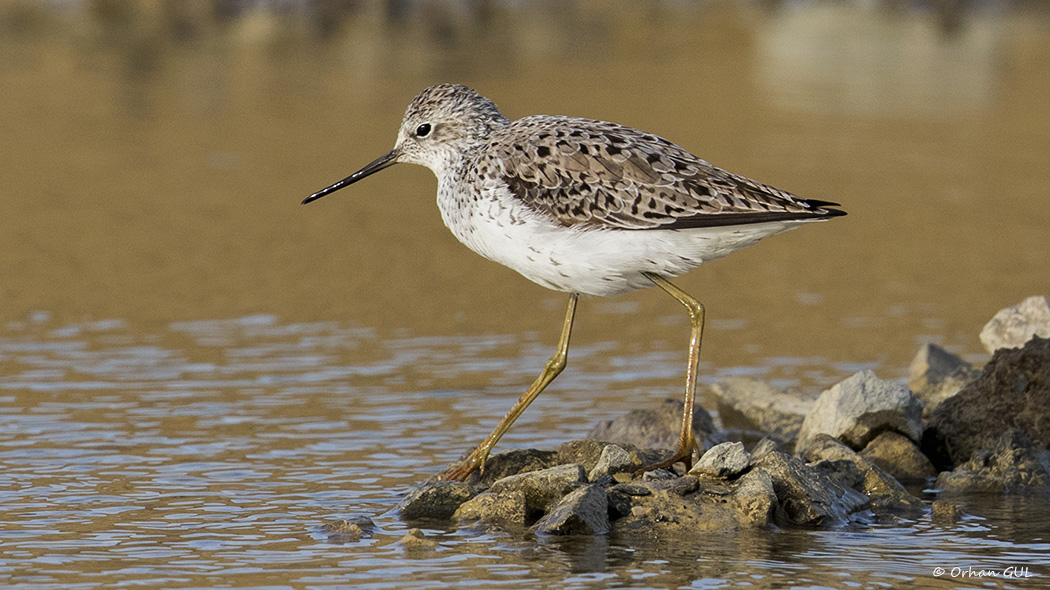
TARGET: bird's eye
(423,130)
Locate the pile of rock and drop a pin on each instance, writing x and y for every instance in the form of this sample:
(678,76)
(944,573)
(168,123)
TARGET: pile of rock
(983,431)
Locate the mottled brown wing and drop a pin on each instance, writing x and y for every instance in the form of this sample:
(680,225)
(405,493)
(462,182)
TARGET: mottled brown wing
(581,172)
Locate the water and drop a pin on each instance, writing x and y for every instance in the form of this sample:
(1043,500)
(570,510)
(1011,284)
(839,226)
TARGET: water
(196,374)
(213,454)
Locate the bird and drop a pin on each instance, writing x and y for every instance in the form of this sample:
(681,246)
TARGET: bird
(583,207)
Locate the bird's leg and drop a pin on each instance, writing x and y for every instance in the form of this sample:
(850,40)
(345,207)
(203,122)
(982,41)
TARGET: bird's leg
(555,365)
(686,442)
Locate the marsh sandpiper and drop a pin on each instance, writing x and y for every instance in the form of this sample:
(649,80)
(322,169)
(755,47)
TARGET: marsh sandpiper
(582,207)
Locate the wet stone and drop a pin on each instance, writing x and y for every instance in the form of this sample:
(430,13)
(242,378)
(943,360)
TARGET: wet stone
(807,497)
(436,500)
(544,488)
(514,462)
(342,530)
(415,540)
(584,511)
(754,499)
(942,512)
(886,494)
(1012,466)
(507,509)
(730,489)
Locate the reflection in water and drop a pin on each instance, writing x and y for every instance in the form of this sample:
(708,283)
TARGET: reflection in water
(154,158)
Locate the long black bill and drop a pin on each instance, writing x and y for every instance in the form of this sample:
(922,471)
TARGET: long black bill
(385,161)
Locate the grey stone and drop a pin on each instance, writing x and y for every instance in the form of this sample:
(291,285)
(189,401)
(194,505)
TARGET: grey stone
(807,497)
(763,448)
(685,485)
(754,499)
(613,460)
(754,405)
(516,461)
(437,500)
(861,407)
(886,494)
(543,488)
(727,460)
(631,489)
(653,429)
(415,540)
(583,512)
(897,455)
(586,452)
(1013,391)
(1012,466)
(1014,326)
(936,374)
(666,513)
(506,509)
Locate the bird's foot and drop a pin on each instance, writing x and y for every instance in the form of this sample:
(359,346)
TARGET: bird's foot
(684,456)
(462,470)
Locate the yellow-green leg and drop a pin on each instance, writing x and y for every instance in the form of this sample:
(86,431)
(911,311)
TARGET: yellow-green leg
(686,442)
(555,365)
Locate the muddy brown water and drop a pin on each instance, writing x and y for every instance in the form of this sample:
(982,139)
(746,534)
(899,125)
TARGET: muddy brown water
(196,373)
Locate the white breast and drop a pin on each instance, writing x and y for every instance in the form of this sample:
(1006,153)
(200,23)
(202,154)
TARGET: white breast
(593,261)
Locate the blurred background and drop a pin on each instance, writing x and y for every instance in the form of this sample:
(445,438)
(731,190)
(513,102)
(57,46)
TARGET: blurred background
(155,154)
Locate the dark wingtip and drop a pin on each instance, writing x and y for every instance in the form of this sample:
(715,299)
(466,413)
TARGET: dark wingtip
(824,208)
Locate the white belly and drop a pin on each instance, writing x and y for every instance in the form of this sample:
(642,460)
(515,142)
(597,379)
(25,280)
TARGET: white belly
(592,261)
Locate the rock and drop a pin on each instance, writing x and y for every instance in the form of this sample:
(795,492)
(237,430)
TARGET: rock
(666,512)
(726,460)
(936,374)
(806,497)
(1012,466)
(1013,391)
(685,485)
(754,405)
(516,461)
(763,448)
(1014,326)
(886,494)
(416,540)
(341,530)
(505,510)
(613,460)
(860,408)
(754,499)
(585,511)
(898,456)
(544,488)
(942,512)
(586,452)
(435,500)
(653,429)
